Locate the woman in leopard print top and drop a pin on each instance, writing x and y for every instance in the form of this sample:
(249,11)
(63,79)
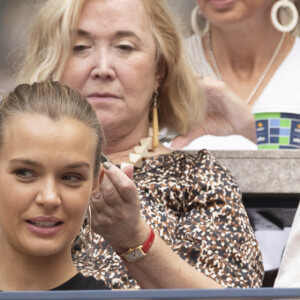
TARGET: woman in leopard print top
(195,205)
(123,55)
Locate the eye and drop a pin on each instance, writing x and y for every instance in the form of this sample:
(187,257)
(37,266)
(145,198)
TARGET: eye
(25,174)
(72,178)
(80,48)
(125,47)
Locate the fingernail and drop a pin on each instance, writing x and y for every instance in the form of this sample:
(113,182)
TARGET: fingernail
(106,165)
(104,158)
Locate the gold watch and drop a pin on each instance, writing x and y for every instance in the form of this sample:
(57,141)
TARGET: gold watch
(135,254)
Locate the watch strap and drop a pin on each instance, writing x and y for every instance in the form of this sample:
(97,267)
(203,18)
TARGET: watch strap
(145,247)
(149,241)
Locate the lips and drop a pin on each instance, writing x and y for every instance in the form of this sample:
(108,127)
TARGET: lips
(44,226)
(221,3)
(102,97)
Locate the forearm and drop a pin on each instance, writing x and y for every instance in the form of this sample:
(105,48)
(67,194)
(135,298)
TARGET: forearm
(163,268)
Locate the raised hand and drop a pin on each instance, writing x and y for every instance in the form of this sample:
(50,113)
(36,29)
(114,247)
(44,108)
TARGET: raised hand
(226,114)
(116,210)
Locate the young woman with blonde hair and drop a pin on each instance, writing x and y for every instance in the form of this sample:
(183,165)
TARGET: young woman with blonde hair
(46,185)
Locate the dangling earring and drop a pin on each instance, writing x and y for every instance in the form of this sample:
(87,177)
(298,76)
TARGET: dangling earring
(195,16)
(155,138)
(87,235)
(274,15)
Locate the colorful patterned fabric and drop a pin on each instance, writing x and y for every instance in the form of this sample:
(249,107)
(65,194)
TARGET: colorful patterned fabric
(194,204)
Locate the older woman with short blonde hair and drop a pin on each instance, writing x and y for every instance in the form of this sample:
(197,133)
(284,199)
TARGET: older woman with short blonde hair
(187,227)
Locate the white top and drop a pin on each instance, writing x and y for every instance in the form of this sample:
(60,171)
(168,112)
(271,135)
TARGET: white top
(289,270)
(274,89)
(282,94)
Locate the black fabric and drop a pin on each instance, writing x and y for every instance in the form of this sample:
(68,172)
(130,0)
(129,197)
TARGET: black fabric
(269,278)
(80,282)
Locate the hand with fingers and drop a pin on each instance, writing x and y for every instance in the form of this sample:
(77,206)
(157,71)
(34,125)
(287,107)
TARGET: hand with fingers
(117,218)
(226,114)
(116,212)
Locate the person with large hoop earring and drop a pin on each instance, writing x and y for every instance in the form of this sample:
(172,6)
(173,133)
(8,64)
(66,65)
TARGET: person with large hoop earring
(208,55)
(213,49)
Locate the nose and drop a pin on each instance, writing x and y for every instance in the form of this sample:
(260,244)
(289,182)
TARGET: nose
(48,195)
(103,67)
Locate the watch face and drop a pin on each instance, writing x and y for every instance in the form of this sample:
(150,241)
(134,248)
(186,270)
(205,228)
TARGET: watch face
(134,254)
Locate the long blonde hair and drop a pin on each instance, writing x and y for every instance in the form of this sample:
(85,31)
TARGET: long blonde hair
(51,38)
(180,99)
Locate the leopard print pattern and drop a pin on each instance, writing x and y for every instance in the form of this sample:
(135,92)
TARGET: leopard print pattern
(194,204)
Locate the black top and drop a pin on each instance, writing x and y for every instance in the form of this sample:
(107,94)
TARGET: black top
(80,282)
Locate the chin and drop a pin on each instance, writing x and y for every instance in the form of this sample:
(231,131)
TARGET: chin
(46,248)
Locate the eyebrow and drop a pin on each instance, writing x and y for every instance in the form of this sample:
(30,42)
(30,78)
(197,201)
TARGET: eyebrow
(36,164)
(126,33)
(25,161)
(83,33)
(118,34)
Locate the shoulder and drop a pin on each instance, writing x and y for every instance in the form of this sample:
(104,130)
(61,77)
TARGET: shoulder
(207,170)
(177,156)
(185,165)
(189,157)
(198,161)
(80,282)
(199,158)
(197,57)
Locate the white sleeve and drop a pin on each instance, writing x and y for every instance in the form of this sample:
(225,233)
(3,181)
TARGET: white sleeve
(289,270)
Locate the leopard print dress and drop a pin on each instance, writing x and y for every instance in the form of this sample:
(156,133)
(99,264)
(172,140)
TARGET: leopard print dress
(194,204)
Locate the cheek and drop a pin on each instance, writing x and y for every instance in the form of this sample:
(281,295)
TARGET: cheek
(73,67)
(141,72)
(10,212)
(77,205)
(14,200)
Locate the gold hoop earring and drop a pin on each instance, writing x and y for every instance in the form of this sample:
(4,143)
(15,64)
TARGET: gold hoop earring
(200,25)
(274,15)
(155,126)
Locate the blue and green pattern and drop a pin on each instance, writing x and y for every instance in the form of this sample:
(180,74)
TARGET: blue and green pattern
(277,130)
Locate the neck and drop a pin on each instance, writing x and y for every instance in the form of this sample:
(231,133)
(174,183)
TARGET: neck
(119,145)
(23,272)
(243,55)
(119,139)
(241,50)
(118,149)
(243,36)
(119,157)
